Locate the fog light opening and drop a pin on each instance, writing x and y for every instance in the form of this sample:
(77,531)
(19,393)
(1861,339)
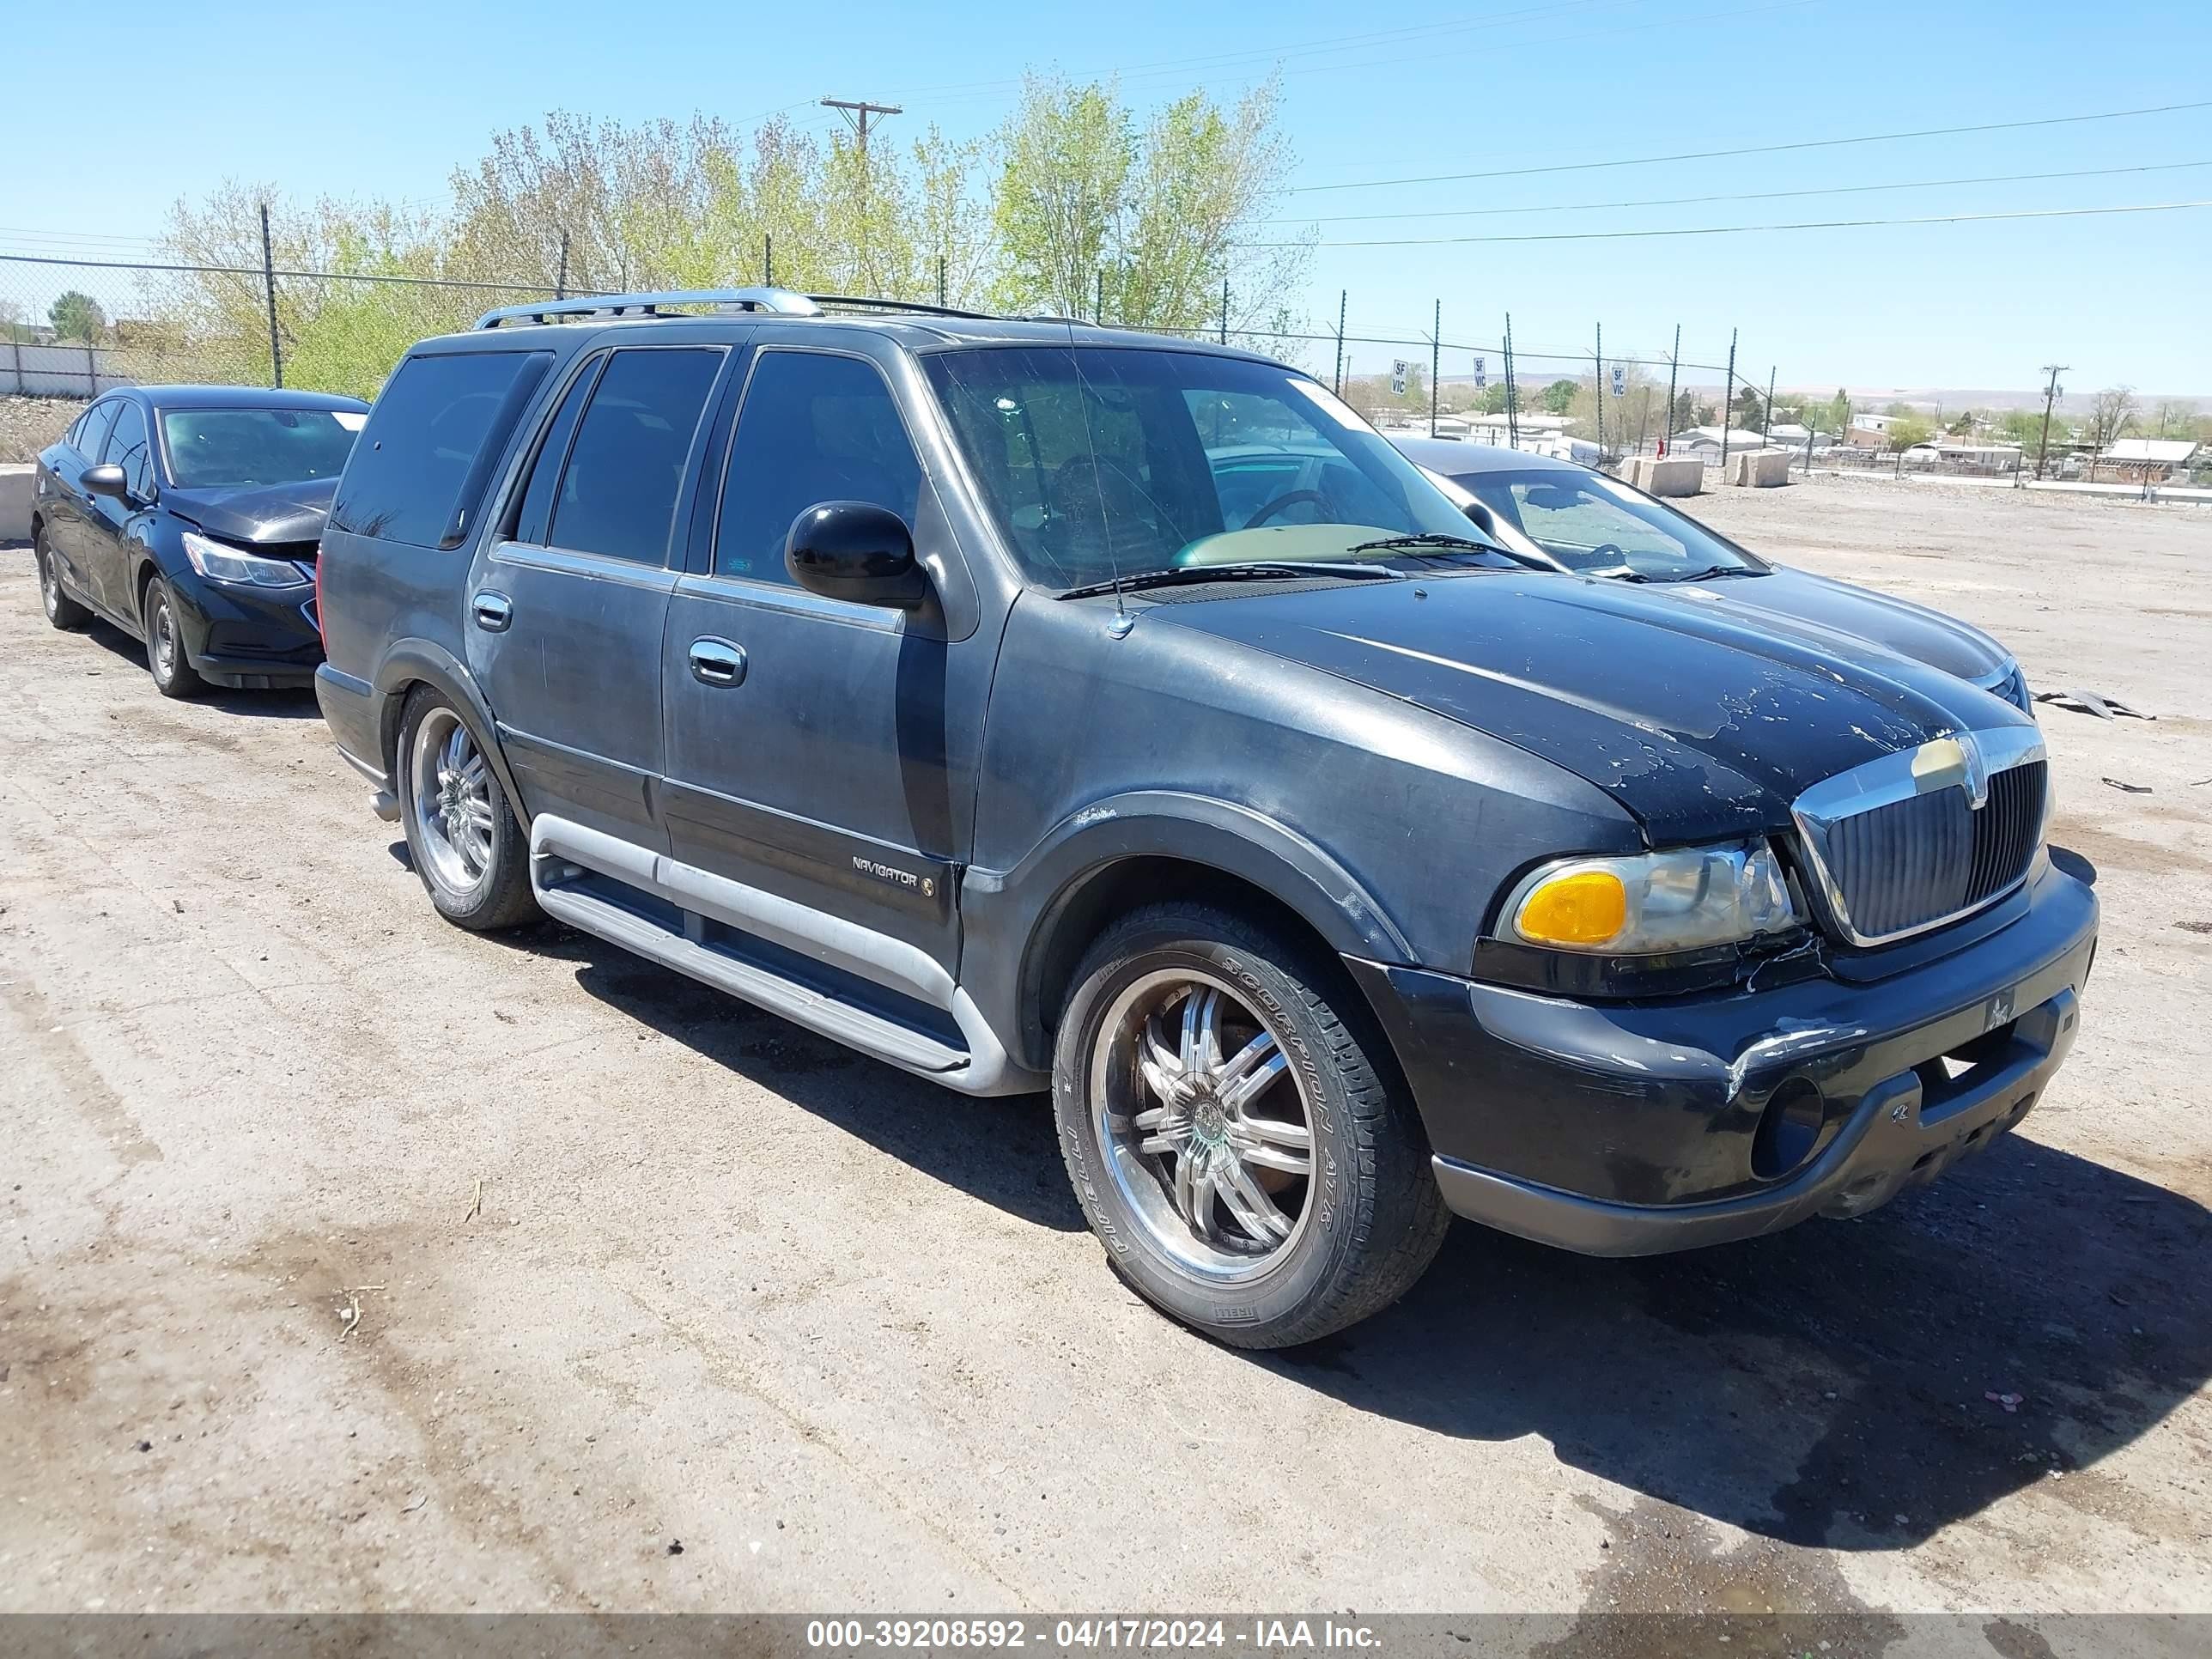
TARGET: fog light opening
(1788,1130)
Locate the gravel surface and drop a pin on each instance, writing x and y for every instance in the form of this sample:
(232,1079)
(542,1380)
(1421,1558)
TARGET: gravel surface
(840,1334)
(27,425)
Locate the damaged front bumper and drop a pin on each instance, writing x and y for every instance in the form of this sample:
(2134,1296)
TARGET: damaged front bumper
(1632,1128)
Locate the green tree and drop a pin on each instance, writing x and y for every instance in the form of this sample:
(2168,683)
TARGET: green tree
(77,316)
(1686,412)
(1907,430)
(1749,411)
(1558,397)
(1158,213)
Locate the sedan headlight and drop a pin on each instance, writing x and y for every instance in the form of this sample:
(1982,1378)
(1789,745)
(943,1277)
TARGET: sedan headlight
(219,563)
(1682,900)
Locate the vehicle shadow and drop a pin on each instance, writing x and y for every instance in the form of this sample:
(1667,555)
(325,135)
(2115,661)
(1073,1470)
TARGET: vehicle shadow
(1003,1151)
(293,703)
(1856,1384)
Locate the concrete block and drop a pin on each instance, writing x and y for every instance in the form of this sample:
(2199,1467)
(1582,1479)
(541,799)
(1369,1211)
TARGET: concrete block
(1760,469)
(15,502)
(1677,475)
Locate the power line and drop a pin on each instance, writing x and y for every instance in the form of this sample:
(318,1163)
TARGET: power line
(1739,230)
(1754,196)
(1759,150)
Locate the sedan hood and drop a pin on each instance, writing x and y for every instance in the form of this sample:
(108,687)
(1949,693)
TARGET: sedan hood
(1704,720)
(1826,608)
(257,514)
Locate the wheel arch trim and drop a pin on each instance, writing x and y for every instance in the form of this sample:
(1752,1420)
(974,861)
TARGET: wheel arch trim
(414,662)
(1010,918)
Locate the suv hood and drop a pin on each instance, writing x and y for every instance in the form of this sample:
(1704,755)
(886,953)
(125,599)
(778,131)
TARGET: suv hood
(1827,607)
(1704,720)
(257,514)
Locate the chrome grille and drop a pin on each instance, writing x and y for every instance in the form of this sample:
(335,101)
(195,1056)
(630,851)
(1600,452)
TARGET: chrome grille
(1900,845)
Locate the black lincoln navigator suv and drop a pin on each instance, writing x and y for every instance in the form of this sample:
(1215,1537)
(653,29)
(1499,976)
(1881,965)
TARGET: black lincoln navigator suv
(1031,706)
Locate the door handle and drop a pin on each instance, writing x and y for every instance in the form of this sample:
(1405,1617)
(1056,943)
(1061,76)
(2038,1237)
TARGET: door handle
(718,662)
(494,611)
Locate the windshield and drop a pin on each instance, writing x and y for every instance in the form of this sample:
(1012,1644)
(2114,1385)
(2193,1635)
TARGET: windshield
(211,448)
(1100,462)
(1587,521)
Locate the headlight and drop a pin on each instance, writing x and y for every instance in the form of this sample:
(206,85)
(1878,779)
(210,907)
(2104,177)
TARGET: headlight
(1654,902)
(219,563)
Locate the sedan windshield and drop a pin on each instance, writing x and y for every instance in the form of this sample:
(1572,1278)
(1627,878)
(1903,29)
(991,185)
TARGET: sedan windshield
(1101,463)
(1590,522)
(214,448)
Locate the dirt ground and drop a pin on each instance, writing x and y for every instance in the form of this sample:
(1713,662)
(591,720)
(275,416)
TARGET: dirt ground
(841,1335)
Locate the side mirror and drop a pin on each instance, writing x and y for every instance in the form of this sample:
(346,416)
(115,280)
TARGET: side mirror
(110,481)
(857,552)
(1481,517)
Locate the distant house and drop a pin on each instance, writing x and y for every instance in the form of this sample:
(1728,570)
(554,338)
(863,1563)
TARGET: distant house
(2151,460)
(1703,439)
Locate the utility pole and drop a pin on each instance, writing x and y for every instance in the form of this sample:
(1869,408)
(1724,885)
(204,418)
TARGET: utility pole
(1601,394)
(1224,310)
(768,258)
(1436,362)
(1512,399)
(1674,366)
(1727,399)
(1343,295)
(2050,397)
(857,113)
(561,275)
(269,278)
(1767,430)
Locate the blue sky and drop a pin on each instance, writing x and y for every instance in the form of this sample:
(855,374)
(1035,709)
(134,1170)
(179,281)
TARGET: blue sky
(386,99)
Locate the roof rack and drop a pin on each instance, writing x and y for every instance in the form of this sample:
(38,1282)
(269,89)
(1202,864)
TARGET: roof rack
(915,306)
(780,301)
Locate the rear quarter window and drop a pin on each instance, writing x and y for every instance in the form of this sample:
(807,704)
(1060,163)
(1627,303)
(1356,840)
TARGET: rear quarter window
(422,461)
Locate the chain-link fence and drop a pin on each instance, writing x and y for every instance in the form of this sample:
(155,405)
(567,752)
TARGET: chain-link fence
(72,329)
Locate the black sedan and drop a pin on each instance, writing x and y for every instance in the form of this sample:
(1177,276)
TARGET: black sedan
(1592,523)
(188,516)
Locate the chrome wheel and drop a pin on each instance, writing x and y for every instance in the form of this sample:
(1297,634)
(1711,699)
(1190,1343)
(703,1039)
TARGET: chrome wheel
(161,638)
(449,795)
(1207,1131)
(50,586)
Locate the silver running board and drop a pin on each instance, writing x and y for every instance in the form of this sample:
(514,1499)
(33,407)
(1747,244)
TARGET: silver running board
(983,1067)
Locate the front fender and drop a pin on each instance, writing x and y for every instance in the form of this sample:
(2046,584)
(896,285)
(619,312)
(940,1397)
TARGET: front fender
(413,662)
(1010,919)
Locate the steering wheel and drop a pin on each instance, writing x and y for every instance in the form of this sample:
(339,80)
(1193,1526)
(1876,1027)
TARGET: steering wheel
(1289,498)
(1620,556)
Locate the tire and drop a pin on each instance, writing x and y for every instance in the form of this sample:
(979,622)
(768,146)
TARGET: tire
(63,611)
(173,670)
(1291,1046)
(462,836)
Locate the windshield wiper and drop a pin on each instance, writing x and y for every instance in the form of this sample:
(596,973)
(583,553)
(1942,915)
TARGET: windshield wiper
(1443,542)
(1179,575)
(1712,571)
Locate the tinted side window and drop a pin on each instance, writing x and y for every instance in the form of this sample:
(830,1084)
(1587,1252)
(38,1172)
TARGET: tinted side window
(618,494)
(128,450)
(421,463)
(537,505)
(813,427)
(93,433)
